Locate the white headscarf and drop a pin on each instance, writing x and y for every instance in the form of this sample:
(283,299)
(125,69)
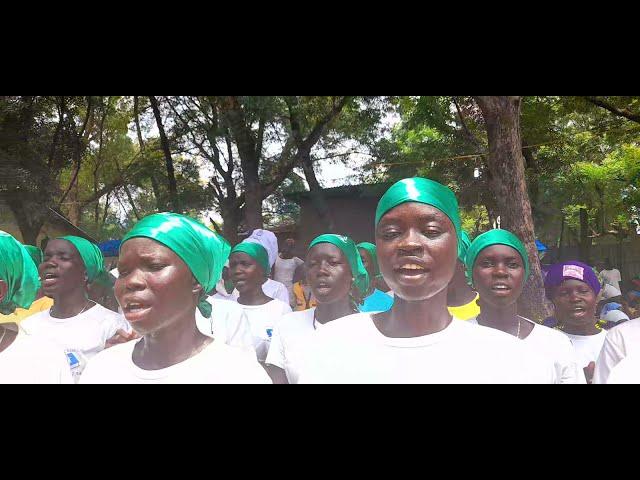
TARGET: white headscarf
(268,240)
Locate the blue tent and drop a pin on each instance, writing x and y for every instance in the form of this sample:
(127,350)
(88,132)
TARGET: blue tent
(541,246)
(110,248)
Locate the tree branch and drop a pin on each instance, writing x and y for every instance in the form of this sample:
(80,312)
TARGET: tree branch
(620,112)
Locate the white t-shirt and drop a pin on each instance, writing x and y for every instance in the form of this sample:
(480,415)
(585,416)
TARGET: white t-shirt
(627,371)
(217,363)
(32,359)
(289,341)
(272,289)
(81,337)
(556,347)
(284,270)
(228,324)
(621,341)
(612,277)
(263,319)
(587,347)
(353,350)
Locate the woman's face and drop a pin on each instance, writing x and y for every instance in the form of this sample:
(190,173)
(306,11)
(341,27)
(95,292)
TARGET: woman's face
(328,273)
(575,303)
(498,275)
(153,286)
(417,250)
(368,263)
(246,274)
(62,270)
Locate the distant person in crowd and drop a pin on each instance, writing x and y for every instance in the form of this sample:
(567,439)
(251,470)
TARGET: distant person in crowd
(635,286)
(417,231)
(228,322)
(498,266)
(338,280)
(168,262)
(75,323)
(24,358)
(285,267)
(374,300)
(611,275)
(249,266)
(462,300)
(269,242)
(302,290)
(573,288)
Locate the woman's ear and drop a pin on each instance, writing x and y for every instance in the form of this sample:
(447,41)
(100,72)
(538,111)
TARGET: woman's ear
(4,288)
(196,287)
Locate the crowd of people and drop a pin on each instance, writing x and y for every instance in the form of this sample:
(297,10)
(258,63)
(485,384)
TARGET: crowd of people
(424,304)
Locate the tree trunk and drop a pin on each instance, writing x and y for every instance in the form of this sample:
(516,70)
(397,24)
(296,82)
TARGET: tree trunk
(74,208)
(585,240)
(253,206)
(173,186)
(506,164)
(318,198)
(30,217)
(231,217)
(561,242)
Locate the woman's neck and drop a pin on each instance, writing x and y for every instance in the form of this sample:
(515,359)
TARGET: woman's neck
(584,329)
(501,318)
(326,312)
(457,297)
(70,304)
(254,296)
(171,345)
(414,319)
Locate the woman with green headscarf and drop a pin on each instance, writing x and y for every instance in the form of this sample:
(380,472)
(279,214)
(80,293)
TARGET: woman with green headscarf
(40,304)
(498,267)
(249,266)
(24,358)
(338,281)
(168,263)
(79,325)
(374,300)
(417,228)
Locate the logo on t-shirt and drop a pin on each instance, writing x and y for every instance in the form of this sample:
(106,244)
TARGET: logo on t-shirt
(75,364)
(573,271)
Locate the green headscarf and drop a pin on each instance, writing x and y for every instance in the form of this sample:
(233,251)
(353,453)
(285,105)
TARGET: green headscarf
(35,253)
(495,237)
(370,248)
(348,247)
(255,251)
(422,190)
(90,254)
(465,243)
(19,273)
(203,250)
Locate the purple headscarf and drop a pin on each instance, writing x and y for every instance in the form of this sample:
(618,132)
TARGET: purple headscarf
(571,270)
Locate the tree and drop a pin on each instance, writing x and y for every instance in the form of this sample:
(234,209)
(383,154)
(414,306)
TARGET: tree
(253,144)
(506,163)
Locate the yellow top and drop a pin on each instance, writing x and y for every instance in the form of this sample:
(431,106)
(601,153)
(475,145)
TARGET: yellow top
(465,312)
(302,302)
(40,305)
